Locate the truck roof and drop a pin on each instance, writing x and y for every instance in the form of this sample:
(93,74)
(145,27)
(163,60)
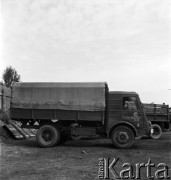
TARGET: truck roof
(60,84)
(123,92)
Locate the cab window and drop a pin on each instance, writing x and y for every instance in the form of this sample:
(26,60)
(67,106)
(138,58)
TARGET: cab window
(130,103)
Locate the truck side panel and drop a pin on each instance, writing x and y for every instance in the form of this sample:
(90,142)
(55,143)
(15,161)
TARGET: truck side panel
(49,114)
(158,114)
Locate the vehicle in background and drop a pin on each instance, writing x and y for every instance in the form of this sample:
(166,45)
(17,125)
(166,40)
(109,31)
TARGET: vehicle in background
(159,116)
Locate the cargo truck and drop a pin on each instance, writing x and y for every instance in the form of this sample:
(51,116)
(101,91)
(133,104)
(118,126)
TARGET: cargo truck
(62,110)
(159,116)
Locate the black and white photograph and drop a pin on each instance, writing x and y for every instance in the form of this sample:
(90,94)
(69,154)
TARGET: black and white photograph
(85,89)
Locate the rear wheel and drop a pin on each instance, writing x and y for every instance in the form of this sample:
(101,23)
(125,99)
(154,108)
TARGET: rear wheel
(48,136)
(122,137)
(156,131)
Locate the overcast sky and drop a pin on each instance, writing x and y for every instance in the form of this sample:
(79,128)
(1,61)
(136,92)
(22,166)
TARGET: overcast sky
(126,43)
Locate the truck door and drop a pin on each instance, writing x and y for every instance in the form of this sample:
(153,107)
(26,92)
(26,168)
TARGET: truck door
(132,112)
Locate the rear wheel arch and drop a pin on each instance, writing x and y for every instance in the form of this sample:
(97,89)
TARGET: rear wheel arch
(57,124)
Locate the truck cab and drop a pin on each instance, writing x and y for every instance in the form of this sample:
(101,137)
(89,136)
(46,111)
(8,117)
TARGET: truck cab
(126,118)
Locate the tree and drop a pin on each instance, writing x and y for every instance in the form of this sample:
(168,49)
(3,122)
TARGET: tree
(10,76)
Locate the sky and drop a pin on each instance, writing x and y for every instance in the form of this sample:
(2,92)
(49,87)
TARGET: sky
(126,43)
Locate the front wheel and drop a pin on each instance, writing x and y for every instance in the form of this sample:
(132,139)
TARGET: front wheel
(156,131)
(122,137)
(48,136)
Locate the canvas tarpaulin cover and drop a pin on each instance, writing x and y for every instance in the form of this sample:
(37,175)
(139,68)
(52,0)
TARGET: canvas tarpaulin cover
(65,96)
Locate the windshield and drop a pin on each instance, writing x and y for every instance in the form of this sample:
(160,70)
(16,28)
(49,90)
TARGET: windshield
(130,103)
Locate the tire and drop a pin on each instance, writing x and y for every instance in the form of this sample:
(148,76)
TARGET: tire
(47,136)
(122,137)
(157,132)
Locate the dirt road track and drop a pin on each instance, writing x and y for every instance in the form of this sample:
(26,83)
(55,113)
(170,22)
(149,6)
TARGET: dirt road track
(76,160)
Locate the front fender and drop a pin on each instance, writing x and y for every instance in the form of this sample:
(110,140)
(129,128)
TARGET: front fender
(123,123)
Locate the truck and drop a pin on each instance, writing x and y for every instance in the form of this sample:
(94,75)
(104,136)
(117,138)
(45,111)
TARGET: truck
(61,110)
(159,116)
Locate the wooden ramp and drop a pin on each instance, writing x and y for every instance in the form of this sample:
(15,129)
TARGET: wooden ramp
(13,128)
(17,132)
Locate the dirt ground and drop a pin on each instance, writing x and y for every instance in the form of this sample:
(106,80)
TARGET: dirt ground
(76,160)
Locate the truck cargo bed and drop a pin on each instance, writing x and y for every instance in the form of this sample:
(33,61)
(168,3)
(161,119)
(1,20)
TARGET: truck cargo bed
(52,114)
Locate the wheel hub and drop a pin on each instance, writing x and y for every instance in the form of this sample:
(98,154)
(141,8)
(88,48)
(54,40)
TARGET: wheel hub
(122,137)
(156,131)
(47,136)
